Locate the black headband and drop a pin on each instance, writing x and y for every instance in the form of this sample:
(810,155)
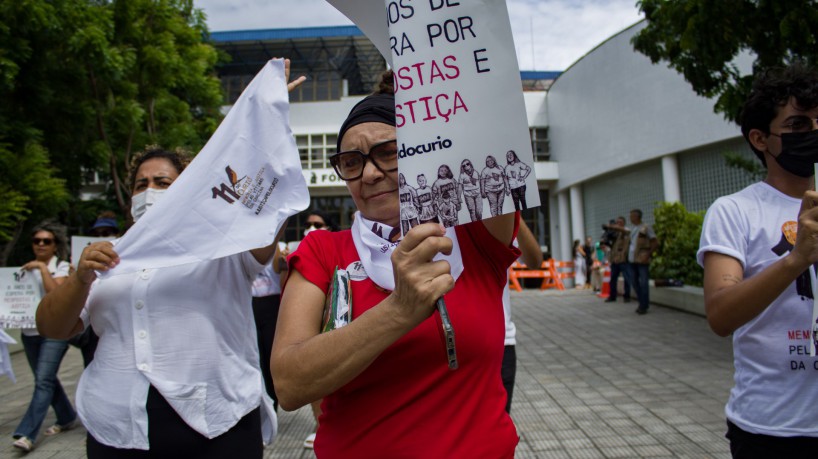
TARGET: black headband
(377,108)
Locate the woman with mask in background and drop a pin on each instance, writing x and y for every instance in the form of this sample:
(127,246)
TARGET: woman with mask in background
(316,221)
(176,373)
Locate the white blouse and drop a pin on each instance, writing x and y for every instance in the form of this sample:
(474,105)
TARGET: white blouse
(188,331)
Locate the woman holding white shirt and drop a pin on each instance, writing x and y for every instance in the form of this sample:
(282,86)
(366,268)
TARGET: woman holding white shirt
(176,372)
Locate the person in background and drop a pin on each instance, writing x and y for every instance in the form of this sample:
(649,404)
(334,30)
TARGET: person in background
(643,245)
(579,265)
(317,220)
(619,260)
(105,225)
(266,300)
(597,266)
(588,248)
(759,249)
(43,354)
(87,340)
(381,364)
(532,257)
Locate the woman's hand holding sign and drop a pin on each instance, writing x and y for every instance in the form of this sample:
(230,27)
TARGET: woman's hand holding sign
(419,280)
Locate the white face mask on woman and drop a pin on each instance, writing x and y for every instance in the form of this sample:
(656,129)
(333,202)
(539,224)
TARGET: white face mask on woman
(142,201)
(310,229)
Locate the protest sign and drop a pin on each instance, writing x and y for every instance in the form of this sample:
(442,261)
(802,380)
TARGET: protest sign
(78,244)
(464,150)
(21,295)
(235,195)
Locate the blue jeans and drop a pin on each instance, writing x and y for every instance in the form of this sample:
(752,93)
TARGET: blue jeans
(44,356)
(639,273)
(625,269)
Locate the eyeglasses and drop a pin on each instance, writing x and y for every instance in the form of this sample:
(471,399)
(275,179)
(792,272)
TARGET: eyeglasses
(797,124)
(316,225)
(349,165)
(43,241)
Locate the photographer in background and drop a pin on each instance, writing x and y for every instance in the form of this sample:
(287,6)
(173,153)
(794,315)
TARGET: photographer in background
(619,258)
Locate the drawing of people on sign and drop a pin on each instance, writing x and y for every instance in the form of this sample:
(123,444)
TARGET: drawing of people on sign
(409,205)
(445,194)
(470,187)
(428,207)
(516,173)
(493,185)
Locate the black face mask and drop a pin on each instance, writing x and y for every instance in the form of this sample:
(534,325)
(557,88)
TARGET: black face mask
(799,153)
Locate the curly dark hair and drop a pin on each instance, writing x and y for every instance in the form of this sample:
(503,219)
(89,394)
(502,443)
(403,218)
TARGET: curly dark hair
(179,157)
(771,90)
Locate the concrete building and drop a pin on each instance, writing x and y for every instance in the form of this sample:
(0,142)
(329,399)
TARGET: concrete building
(627,134)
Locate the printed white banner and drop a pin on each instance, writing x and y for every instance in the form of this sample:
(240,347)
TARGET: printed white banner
(21,295)
(78,244)
(464,150)
(237,192)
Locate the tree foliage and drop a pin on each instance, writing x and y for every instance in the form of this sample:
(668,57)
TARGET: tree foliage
(701,39)
(678,232)
(84,85)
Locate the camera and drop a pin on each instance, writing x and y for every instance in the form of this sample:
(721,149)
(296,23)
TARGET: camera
(608,235)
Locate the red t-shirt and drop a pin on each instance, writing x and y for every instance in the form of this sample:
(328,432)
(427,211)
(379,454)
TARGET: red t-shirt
(407,403)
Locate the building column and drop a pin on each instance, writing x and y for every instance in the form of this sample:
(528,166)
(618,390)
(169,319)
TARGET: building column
(563,251)
(670,178)
(577,215)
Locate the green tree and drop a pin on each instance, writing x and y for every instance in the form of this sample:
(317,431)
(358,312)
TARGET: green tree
(86,83)
(701,38)
(678,232)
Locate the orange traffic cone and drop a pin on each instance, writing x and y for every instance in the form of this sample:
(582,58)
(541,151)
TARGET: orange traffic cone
(606,283)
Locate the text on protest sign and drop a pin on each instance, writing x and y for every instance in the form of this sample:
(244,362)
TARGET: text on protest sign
(464,149)
(20,298)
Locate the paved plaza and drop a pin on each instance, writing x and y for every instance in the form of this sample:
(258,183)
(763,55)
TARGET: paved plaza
(594,380)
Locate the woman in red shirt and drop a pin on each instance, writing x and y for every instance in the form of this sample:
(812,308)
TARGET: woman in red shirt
(377,356)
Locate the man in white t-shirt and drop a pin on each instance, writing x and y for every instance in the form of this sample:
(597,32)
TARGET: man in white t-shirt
(759,249)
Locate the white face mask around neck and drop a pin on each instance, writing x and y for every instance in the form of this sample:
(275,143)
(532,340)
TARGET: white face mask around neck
(142,201)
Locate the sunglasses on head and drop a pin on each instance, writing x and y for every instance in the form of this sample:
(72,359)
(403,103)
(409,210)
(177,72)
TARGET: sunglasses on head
(316,225)
(43,241)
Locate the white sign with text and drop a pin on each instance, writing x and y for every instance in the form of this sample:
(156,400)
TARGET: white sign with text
(22,292)
(464,149)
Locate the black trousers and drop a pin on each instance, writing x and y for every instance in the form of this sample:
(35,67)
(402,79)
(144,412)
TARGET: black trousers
(170,437)
(509,371)
(265,313)
(746,445)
